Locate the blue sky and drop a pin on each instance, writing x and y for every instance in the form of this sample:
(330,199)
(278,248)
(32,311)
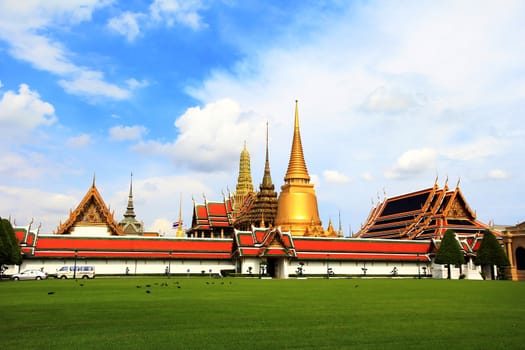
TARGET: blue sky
(392,94)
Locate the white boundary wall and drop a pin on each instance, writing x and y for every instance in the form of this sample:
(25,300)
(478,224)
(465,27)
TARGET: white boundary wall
(283,268)
(130,266)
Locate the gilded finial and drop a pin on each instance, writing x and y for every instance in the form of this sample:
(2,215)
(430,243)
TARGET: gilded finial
(297,171)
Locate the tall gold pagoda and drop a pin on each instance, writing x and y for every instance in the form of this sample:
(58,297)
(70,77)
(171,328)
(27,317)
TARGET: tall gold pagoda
(297,210)
(244,189)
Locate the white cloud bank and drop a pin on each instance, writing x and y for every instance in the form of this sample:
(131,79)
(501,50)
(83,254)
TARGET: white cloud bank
(25,110)
(23,27)
(161,12)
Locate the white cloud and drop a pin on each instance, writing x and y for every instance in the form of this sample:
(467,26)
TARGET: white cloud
(16,201)
(123,133)
(211,137)
(79,141)
(92,83)
(175,11)
(126,24)
(412,162)
(135,84)
(334,176)
(498,174)
(25,110)
(476,149)
(162,226)
(391,100)
(367,176)
(163,12)
(24,29)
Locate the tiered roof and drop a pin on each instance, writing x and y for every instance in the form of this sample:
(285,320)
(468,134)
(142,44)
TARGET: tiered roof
(212,219)
(263,243)
(424,214)
(91,211)
(272,242)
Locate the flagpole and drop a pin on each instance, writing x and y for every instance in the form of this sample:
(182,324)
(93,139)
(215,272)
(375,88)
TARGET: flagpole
(180,233)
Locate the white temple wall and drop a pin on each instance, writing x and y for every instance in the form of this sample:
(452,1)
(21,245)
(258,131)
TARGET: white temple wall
(91,231)
(284,268)
(131,266)
(470,270)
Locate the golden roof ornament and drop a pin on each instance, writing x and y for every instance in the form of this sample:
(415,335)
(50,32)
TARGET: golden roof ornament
(297,171)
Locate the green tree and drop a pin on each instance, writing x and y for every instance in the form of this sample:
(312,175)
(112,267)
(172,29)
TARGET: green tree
(9,248)
(449,252)
(491,253)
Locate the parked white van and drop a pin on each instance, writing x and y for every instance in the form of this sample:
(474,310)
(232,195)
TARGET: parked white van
(82,271)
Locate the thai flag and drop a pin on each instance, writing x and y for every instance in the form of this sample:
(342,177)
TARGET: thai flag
(176,224)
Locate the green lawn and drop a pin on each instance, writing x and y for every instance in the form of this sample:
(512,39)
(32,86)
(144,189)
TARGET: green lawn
(199,313)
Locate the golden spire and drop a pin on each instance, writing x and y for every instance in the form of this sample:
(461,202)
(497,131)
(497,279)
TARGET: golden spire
(297,171)
(244,181)
(297,204)
(180,232)
(244,186)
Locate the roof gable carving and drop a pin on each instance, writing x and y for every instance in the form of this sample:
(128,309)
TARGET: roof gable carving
(91,211)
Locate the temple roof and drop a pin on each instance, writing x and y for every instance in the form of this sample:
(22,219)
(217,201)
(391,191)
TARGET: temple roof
(91,211)
(131,247)
(272,242)
(424,214)
(212,215)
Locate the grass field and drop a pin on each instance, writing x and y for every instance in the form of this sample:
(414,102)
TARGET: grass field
(198,313)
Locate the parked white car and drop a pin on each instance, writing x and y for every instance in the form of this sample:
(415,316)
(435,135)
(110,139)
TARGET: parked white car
(29,275)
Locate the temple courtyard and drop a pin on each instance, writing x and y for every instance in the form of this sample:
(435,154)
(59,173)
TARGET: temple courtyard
(239,313)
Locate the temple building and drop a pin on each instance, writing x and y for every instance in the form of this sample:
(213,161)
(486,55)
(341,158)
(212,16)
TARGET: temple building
(91,218)
(514,238)
(424,214)
(269,235)
(212,219)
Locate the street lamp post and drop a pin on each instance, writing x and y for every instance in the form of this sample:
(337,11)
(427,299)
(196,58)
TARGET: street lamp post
(328,266)
(75,267)
(169,266)
(418,268)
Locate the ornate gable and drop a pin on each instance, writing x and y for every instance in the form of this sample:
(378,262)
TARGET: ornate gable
(457,207)
(91,211)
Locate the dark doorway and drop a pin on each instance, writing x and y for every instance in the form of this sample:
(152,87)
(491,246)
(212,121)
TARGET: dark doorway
(520,258)
(272,267)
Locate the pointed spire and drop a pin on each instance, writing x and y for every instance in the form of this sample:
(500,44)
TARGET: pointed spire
(267,178)
(130,210)
(297,171)
(180,233)
(244,181)
(93,185)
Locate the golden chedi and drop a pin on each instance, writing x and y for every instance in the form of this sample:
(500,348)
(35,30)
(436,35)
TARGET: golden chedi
(297,210)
